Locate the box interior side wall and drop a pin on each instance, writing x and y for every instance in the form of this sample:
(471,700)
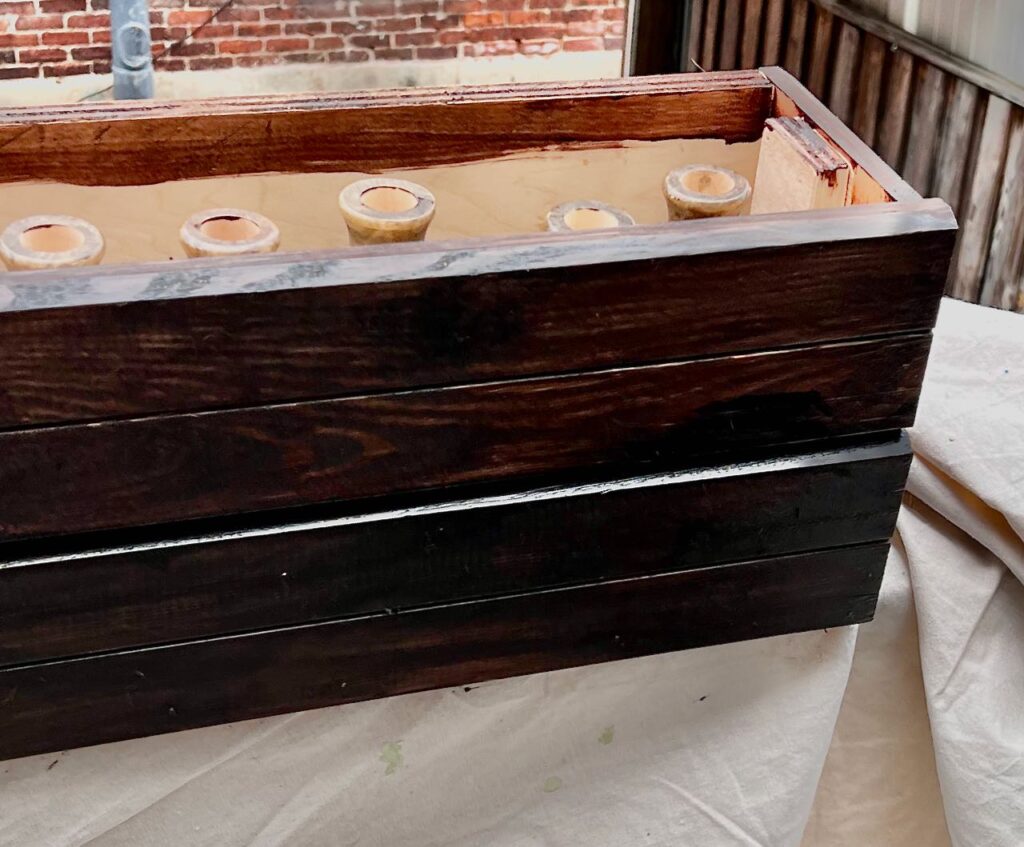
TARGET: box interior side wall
(492,198)
(496,162)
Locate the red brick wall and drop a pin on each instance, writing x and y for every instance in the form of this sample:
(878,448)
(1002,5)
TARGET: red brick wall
(52,38)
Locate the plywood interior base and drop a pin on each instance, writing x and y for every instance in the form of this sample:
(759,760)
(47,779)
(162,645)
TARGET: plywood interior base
(495,197)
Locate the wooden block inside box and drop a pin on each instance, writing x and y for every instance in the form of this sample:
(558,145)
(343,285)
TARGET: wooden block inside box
(239,486)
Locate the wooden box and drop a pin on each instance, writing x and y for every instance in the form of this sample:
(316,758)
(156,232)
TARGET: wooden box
(230,488)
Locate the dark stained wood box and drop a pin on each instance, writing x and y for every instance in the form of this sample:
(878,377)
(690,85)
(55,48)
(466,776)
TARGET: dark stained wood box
(230,488)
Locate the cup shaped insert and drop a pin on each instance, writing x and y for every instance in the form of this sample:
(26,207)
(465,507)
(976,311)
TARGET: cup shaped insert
(50,241)
(228,232)
(704,191)
(385,211)
(583,215)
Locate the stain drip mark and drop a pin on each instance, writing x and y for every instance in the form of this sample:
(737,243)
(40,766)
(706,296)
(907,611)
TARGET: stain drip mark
(607,736)
(391,755)
(551,784)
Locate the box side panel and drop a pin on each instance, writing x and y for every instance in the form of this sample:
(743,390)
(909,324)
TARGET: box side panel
(287,574)
(108,697)
(119,145)
(313,339)
(150,470)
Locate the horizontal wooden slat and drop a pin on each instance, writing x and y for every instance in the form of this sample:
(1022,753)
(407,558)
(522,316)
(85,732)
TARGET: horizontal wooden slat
(447,315)
(300,572)
(99,144)
(123,473)
(107,697)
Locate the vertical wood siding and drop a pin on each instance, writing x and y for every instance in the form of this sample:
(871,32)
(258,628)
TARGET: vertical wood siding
(946,136)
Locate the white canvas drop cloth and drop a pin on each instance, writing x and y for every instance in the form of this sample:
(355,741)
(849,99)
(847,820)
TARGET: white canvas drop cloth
(908,733)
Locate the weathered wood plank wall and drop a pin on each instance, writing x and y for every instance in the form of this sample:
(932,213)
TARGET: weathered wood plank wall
(951,129)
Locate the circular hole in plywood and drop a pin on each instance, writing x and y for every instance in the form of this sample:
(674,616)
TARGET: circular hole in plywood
(229,228)
(388,200)
(52,238)
(710,183)
(590,219)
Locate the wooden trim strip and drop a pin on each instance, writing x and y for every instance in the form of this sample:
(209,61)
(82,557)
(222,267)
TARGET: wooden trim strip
(164,591)
(273,104)
(108,697)
(147,357)
(843,137)
(440,260)
(135,144)
(69,479)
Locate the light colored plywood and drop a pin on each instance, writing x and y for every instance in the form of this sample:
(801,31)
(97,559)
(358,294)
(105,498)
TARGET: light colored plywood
(798,170)
(497,197)
(865,189)
(972,249)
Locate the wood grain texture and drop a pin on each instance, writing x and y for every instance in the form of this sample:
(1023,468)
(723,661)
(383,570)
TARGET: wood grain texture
(750,41)
(843,137)
(709,50)
(896,111)
(108,697)
(149,470)
(729,35)
(692,57)
(101,144)
(160,592)
(920,46)
(1002,279)
(952,162)
(819,70)
(925,119)
(308,341)
(771,50)
(797,40)
(968,268)
(843,84)
(869,89)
